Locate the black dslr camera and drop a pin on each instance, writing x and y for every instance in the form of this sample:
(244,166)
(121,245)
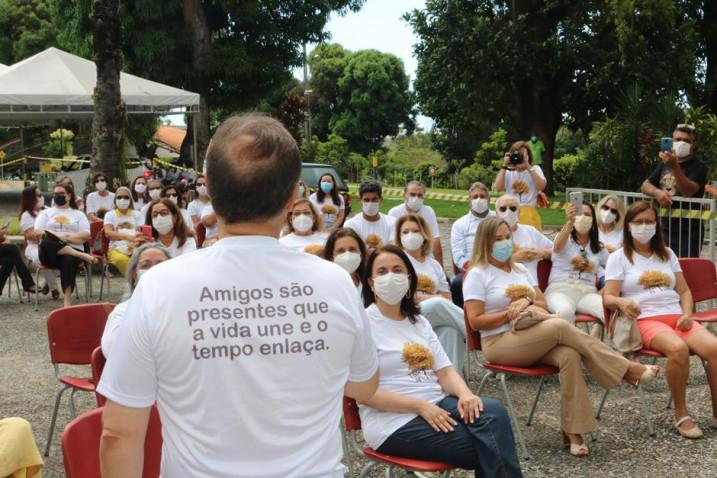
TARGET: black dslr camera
(515,158)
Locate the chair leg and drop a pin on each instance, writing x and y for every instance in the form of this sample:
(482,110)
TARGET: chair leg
(102,281)
(513,416)
(602,404)
(646,410)
(37,289)
(367,469)
(17,286)
(535,402)
(58,397)
(73,409)
(483,381)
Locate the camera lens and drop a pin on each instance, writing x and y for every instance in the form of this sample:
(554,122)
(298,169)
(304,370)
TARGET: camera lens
(515,158)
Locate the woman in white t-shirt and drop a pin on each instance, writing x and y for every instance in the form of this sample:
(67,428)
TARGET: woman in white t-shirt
(523,180)
(497,291)
(101,200)
(423,409)
(32,202)
(202,200)
(305,229)
(138,188)
(434,295)
(168,227)
(122,229)
(329,202)
(646,283)
(610,213)
(71,230)
(345,247)
(577,258)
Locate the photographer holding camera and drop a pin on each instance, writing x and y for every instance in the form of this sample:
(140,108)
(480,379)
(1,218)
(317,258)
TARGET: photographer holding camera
(519,177)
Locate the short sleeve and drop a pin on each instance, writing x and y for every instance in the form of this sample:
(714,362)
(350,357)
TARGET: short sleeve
(433,223)
(655,176)
(111,219)
(474,287)
(441,275)
(440,358)
(41,220)
(130,376)
(208,210)
(539,171)
(91,203)
(614,269)
(26,221)
(674,261)
(364,355)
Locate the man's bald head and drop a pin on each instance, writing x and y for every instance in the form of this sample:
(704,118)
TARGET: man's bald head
(506,200)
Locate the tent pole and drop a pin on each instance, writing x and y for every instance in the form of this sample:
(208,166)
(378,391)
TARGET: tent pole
(22,148)
(194,141)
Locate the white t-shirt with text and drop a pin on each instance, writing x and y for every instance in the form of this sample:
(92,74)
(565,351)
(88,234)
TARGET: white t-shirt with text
(426,212)
(246,354)
(384,228)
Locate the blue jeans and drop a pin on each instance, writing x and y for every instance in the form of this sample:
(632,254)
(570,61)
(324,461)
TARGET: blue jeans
(485,446)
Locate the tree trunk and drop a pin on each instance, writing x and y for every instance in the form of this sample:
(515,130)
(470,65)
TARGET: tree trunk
(196,22)
(108,122)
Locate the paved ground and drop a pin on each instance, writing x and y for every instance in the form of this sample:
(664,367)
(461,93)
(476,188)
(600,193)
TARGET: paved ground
(622,449)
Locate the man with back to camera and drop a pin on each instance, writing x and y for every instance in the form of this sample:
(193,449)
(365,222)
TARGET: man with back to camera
(375,228)
(680,173)
(251,348)
(413,195)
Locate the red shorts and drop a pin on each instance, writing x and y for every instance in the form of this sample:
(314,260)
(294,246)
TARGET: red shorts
(649,328)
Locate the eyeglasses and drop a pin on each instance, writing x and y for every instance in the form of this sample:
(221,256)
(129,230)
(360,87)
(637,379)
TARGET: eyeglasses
(605,207)
(163,213)
(505,208)
(688,127)
(301,213)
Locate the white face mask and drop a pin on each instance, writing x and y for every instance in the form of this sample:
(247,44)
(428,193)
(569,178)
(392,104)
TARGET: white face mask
(682,149)
(414,203)
(163,224)
(511,217)
(140,188)
(412,241)
(41,202)
(123,204)
(370,208)
(101,185)
(607,217)
(391,288)
(302,223)
(479,205)
(174,199)
(202,190)
(349,261)
(583,224)
(642,233)
(155,193)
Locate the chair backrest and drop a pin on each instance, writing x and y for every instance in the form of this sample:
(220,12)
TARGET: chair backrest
(352,419)
(544,266)
(74,332)
(472,336)
(97,362)
(701,278)
(95,231)
(201,231)
(81,445)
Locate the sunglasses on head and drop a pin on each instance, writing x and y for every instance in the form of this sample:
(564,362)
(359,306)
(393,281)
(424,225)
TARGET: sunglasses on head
(122,197)
(688,127)
(605,207)
(505,208)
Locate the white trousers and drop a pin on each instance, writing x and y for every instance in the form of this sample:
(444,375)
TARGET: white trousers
(447,321)
(569,296)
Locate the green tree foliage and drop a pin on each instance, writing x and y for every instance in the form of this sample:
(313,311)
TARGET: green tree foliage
(488,159)
(26,28)
(362,96)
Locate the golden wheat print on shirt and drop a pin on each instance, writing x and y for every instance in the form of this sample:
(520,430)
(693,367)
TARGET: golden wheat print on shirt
(516,292)
(373,241)
(418,358)
(521,187)
(652,279)
(581,264)
(426,284)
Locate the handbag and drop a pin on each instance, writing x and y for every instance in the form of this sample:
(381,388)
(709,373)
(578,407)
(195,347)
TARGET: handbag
(531,316)
(624,333)
(52,237)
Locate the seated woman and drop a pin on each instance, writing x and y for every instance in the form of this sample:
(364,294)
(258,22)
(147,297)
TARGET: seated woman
(69,230)
(168,227)
(329,202)
(345,248)
(172,193)
(644,281)
(67,181)
(305,229)
(577,257)
(610,212)
(497,291)
(31,203)
(143,258)
(138,188)
(423,409)
(121,228)
(101,200)
(11,258)
(433,293)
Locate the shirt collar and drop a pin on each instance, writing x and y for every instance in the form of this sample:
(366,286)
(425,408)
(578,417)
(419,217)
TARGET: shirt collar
(247,242)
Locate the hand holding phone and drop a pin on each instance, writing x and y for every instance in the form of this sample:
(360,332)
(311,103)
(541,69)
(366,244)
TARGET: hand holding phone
(6,225)
(146,230)
(665,145)
(576,199)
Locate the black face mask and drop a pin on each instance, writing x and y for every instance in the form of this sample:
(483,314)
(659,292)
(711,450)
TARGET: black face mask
(60,199)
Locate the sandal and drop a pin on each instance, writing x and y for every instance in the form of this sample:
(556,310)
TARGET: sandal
(694,432)
(647,377)
(55,294)
(45,289)
(578,450)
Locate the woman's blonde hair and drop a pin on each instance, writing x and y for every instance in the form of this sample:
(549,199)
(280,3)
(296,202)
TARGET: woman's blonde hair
(620,210)
(485,238)
(318,219)
(131,201)
(427,246)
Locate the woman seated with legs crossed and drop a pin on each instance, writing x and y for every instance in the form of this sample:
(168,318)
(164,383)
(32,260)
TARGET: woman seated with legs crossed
(434,295)
(497,291)
(645,282)
(423,409)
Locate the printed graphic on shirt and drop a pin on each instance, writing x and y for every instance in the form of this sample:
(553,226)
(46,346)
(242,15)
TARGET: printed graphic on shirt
(668,183)
(62,220)
(329,209)
(125,225)
(654,281)
(373,241)
(217,337)
(315,249)
(419,359)
(516,292)
(426,284)
(582,264)
(520,188)
(610,249)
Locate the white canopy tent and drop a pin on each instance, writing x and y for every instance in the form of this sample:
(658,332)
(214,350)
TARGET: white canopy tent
(2,67)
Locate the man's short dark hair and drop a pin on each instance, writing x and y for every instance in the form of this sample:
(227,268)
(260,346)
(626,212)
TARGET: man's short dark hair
(370,186)
(253,166)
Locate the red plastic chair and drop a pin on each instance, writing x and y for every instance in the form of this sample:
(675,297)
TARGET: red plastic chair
(73,333)
(81,445)
(97,363)
(701,277)
(501,372)
(201,231)
(352,423)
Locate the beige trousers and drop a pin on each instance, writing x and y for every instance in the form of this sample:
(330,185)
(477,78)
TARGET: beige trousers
(558,343)
(569,296)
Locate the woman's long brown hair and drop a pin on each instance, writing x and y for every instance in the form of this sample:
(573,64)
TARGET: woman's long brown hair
(657,243)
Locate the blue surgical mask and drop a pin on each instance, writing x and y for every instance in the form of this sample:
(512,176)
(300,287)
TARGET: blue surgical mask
(301,191)
(502,250)
(327,186)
